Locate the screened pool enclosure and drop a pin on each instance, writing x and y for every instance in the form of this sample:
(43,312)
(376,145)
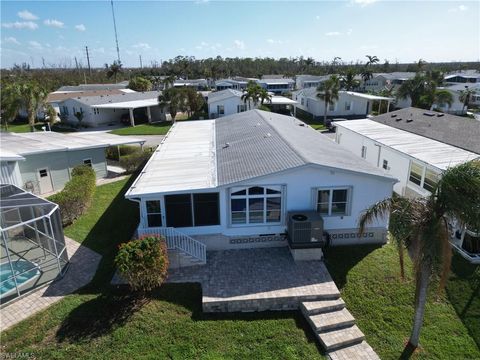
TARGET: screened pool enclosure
(32,251)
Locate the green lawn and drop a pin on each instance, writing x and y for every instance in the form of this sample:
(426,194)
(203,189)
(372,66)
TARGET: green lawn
(144,129)
(368,278)
(99,322)
(22,127)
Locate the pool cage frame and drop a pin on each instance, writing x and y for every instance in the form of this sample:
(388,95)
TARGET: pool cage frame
(32,225)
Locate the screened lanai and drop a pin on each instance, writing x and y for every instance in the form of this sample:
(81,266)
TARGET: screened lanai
(32,250)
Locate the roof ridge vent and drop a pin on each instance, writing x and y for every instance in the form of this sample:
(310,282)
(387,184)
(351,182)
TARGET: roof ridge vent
(393,115)
(398,119)
(409,120)
(428,114)
(440,114)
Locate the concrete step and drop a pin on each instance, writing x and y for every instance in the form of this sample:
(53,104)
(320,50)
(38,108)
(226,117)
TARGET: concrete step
(336,339)
(331,320)
(361,351)
(318,307)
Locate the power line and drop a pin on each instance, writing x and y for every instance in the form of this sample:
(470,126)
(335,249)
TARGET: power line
(115,29)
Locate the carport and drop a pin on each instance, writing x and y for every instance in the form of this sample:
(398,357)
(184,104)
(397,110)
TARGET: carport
(132,105)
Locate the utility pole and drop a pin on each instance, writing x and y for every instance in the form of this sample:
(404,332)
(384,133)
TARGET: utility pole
(76,63)
(115,29)
(141,65)
(43,62)
(88,61)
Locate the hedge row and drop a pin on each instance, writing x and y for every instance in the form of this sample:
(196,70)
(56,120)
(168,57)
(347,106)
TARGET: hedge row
(135,161)
(77,194)
(113,152)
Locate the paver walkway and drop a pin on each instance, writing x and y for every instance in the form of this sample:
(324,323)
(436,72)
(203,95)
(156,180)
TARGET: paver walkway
(82,268)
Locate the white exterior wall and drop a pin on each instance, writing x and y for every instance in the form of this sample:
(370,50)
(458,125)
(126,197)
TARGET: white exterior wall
(398,162)
(456,107)
(299,194)
(316,106)
(230,104)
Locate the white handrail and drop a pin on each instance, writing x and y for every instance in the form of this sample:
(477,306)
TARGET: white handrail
(178,240)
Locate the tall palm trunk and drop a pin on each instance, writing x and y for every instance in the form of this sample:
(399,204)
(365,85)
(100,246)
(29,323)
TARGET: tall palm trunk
(325,113)
(401,260)
(423,279)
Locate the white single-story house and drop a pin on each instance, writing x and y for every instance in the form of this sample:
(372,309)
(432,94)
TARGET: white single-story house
(94,87)
(349,104)
(277,85)
(41,162)
(197,84)
(464,77)
(231,183)
(417,161)
(108,109)
(307,81)
(457,106)
(229,101)
(381,80)
(235,83)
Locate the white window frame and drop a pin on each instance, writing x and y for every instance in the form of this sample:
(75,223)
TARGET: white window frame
(264,196)
(89,160)
(223,109)
(348,105)
(420,186)
(348,206)
(364,152)
(162,220)
(332,107)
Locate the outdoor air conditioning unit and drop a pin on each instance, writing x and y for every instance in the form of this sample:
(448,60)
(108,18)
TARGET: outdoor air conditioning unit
(305,230)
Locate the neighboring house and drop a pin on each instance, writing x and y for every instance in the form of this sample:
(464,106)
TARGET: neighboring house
(417,161)
(278,85)
(463,77)
(235,83)
(457,107)
(91,87)
(308,81)
(458,131)
(381,80)
(197,84)
(109,109)
(349,104)
(247,173)
(228,102)
(41,162)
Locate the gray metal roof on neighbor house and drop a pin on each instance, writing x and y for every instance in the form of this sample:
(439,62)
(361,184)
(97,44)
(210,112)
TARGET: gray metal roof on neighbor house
(223,94)
(454,130)
(257,143)
(23,144)
(396,75)
(89,87)
(276,81)
(119,98)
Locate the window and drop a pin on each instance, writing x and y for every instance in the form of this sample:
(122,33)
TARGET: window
(385,164)
(241,108)
(43,172)
(430,181)
(154,214)
(220,109)
(303,101)
(186,210)
(332,201)
(416,173)
(348,105)
(331,107)
(364,152)
(64,110)
(74,110)
(256,205)
(87,162)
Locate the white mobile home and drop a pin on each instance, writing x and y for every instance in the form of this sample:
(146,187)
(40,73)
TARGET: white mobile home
(349,104)
(231,183)
(42,162)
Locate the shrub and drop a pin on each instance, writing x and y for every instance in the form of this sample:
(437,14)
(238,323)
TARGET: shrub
(133,162)
(143,263)
(77,194)
(113,152)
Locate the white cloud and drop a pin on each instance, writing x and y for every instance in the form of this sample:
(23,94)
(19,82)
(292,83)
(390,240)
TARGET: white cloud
(333,33)
(143,46)
(21,25)
(35,45)
(27,15)
(364,3)
(239,44)
(273,41)
(458,8)
(349,32)
(12,40)
(317,17)
(80,27)
(54,23)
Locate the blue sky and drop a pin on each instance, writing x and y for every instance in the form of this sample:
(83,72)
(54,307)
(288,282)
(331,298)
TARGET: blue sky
(405,31)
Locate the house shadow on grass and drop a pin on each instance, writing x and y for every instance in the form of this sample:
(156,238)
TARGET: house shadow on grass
(341,259)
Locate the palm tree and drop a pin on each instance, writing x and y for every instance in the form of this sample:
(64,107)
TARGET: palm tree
(11,103)
(465,97)
(30,96)
(264,95)
(169,81)
(424,229)
(442,97)
(172,98)
(372,60)
(328,92)
(349,82)
(251,93)
(114,69)
(413,89)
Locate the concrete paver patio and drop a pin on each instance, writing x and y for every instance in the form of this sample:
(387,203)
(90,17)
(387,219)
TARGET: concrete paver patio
(82,268)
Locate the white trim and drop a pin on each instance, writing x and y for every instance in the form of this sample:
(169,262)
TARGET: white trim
(348,207)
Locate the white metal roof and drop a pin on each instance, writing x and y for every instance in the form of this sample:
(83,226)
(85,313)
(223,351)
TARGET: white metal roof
(184,161)
(129,104)
(435,153)
(281,100)
(7,155)
(367,96)
(46,141)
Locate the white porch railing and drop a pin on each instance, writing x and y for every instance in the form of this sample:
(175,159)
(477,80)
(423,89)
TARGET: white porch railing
(178,240)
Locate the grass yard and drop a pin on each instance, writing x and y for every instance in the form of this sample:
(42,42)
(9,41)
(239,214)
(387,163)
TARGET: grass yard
(22,127)
(99,322)
(160,128)
(368,278)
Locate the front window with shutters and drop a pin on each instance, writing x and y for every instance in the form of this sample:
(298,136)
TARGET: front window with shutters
(256,205)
